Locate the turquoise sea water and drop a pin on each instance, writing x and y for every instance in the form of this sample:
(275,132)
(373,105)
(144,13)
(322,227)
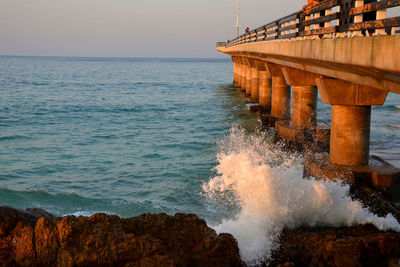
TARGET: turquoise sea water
(127,136)
(130,136)
(123,136)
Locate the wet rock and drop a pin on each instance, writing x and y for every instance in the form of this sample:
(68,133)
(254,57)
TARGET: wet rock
(361,245)
(259,109)
(38,213)
(36,238)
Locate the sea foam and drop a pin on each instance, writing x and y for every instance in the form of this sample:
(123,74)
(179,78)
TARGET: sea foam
(268,186)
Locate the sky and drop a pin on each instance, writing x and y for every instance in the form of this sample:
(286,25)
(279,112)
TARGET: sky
(129,28)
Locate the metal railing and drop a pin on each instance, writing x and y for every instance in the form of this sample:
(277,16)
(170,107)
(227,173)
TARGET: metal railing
(328,19)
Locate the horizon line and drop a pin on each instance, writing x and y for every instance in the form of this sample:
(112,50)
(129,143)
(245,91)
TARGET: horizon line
(115,57)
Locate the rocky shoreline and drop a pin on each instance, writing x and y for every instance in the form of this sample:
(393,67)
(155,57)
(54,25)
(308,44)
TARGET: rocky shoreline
(361,245)
(37,238)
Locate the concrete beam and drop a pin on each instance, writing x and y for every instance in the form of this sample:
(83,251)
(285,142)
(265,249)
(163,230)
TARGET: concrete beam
(260,65)
(273,69)
(339,92)
(296,77)
(369,61)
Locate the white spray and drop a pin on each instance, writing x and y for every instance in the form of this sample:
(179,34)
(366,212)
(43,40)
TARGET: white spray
(268,184)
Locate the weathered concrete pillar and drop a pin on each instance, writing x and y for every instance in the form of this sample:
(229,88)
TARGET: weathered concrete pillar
(235,72)
(248,80)
(265,90)
(280,99)
(255,81)
(238,74)
(304,96)
(243,79)
(350,132)
(280,93)
(304,106)
(239,77)
(351,116)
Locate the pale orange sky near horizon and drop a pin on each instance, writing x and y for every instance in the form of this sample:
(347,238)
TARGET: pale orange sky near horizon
(129,28)
(123,28)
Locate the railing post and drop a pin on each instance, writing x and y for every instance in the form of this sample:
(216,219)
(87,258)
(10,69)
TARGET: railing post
(301,28)
(358,18)
(327,24)
(380,14)
(345,18)
(308,27)
(278,29)
(316,26)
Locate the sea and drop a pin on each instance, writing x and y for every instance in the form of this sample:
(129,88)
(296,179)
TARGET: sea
(128,136)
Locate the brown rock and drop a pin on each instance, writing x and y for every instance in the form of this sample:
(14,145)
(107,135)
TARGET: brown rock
(46,242)
(38,238)
(361,245)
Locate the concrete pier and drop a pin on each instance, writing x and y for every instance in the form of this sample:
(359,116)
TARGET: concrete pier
(350,135)
(304,106)
(238,74)
(352,67)
(350,119)
(304,97)
(248,81)
(349,158)
(235,69)
(255,83)
(243,77)
(240,78)
(300,131)
(265,90)
(237,81)
(280,99)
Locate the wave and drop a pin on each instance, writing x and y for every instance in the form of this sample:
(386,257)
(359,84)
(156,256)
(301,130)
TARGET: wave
(388,107)
(266,186)
(62,204)
(13,137)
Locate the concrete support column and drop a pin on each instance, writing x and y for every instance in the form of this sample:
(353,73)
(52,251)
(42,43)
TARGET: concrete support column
(248,80)
(349,144)
(265,90)
(350,119)
(255,80)
(304,106)
(235,67)
(280,100)
(243,79)
(238,74)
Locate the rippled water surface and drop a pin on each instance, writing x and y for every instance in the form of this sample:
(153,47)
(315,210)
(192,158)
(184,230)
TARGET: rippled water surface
(124,136)
(128,136)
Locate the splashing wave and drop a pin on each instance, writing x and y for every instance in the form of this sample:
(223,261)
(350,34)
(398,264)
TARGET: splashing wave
(268,186)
